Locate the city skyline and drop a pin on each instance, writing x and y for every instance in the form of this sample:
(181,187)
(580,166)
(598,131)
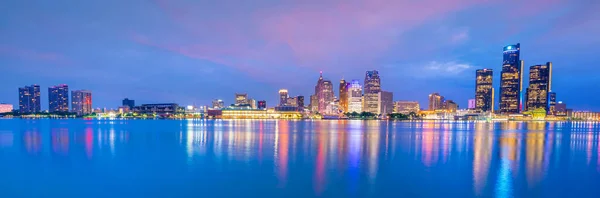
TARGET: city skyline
(434,54)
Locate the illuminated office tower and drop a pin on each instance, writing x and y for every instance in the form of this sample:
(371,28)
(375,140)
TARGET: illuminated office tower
(406,107)
(450,106)
(372,88)
(300,101)
(283,97)
(552,105)
(262,104)
(343,91)
(484,91)
(29,99)
(241,99)
(81,102)
(511,80)
(323,93)
(436,102)
(58,98)
(314,103)
(355,97)
(540,84)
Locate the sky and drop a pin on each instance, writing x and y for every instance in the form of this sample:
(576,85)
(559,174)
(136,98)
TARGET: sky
(194,51)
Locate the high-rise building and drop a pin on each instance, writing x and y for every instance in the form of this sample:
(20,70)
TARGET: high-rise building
(29,99)
(283,97)
(561,109)
(291,101)
(218,104)
(324,93)
(540,84)
(511,80)
(484,90)
(5,108)
(343,91)
(262,104)
(58,98)
(252,103)
(406,107)
(552,105)
(241,99)
(355,97)
(386,102)
(372,89)
(300,101)
(450,106)
(436,102)
(81,102)
(129,103)
(314,103)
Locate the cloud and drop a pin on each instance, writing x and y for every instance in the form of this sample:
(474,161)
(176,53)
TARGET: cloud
(446,68)
(27,54)
(460,36)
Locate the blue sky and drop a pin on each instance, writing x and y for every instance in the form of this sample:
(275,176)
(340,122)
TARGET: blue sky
(190,52)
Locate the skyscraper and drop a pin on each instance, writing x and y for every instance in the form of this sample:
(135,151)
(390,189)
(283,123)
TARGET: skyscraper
(372,89)
(323,93)
(540,84)
(436,102)
(511,80)
(386,102)
(314,103)
(343,91)
(241,99)
(58,98)
(262,104)
(218,104)
(283,97)
(355,97)
(81,102)
(128,103)
(450,106)
(300,101)
(552,105)
(29,99)
(484,90)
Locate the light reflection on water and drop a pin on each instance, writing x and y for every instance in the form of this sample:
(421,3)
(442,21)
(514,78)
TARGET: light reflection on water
(300,158)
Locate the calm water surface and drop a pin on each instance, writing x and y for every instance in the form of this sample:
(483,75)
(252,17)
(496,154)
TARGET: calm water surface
(243,158)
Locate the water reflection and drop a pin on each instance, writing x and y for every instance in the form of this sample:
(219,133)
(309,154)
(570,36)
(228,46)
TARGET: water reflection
(364,158)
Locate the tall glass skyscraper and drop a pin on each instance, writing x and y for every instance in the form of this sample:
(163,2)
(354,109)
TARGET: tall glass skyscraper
(29,99)
(58,98)
(323,93)
(484,90)
(343,91)
(540,84)
(283,97)
(372,89)
(511,80)
(81,102)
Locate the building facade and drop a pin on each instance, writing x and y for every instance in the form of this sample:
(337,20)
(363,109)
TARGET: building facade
(81,102)
(552,101)
(163,108)
(324,93)
(6,108)
(484,90)
(436,102)
(58,98)
(300,101)
(386,103)
(472,103)
(450,106)
(29,99)
(372,88)
(261,104)
(241,99)
(218,104)
(355,97)
(406,107)
(314,103)
(283,97)
(540,84)
(511,81)
(344,97)
(128,103)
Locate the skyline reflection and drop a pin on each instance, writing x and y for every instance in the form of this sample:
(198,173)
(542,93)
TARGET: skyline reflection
(343,156)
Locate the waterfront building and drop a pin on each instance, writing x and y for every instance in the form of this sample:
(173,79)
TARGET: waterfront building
(561,109)
(372,88)
(159,109)
(324,93)
(58,98)
(355,97)
(511,80)
(241,99)
(484,90)
(81,102)
(314,103)
(344,96)
(291,101)
(262,104)
(6,108)
(540,84)
(385,102)
(252,103)
(29,99)
(436,102)
(283,97)
(300,101)
(552,103)
(472,104)
(128,103)
(585,115)
(406,107)
(450,106)
(218,104)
